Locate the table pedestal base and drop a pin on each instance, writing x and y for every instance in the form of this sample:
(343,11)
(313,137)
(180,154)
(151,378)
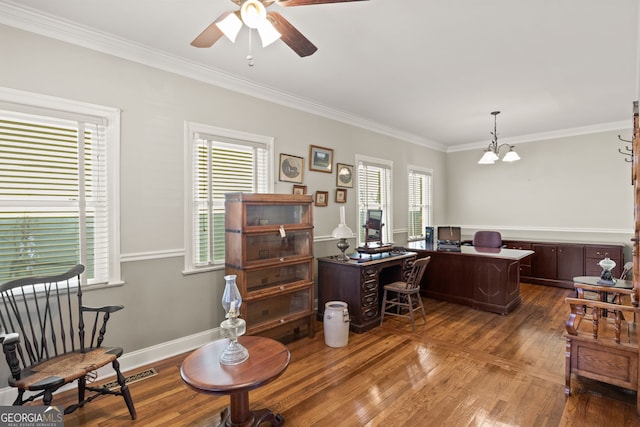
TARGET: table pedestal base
(239,415)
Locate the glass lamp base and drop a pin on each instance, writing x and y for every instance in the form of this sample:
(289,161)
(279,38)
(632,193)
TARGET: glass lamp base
(234,354)
(343,245)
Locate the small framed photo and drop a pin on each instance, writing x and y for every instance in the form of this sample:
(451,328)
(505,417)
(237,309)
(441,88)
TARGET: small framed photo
(322,198)
(291,168)
(299,189)
(341,195)
(344,175)
(320,159)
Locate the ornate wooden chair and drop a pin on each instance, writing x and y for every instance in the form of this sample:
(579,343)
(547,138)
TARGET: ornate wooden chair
(402,298)
(45,344)
(599,347)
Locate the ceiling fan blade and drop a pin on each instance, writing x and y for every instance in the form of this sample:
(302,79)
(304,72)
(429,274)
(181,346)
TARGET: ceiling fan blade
(211,34)
(287,3)
(291,36)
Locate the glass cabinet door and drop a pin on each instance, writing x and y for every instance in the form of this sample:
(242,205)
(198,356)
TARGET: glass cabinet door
(262,215)
(277,309)
(278,277)
(271,246)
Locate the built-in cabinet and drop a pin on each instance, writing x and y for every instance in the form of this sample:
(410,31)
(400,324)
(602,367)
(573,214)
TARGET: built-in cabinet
(269,247)
(557,263)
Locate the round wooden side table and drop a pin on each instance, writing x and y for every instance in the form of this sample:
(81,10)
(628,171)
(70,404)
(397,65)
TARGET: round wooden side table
(268,359)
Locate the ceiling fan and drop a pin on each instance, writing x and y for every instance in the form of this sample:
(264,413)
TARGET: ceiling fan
(271,26)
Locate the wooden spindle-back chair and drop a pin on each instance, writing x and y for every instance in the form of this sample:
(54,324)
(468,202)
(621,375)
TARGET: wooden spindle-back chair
(45,341)
(402,298)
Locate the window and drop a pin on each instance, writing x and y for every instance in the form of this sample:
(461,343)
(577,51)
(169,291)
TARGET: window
(419,202)
(220,161)
(374,192)
(57,189)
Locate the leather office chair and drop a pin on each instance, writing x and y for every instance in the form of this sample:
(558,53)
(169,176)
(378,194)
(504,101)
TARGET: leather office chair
(487,239)
(407,298)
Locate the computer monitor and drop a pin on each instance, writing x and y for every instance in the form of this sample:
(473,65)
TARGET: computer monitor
(449,234)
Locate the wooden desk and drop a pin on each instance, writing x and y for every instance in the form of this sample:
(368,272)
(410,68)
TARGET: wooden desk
(268,359)
(484,278)
(358,282)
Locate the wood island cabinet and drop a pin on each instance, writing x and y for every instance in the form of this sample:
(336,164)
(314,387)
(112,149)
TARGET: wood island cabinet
(557,263)
(269,247)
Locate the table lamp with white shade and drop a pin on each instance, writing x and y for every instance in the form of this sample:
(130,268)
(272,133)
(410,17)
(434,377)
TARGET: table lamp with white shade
(342,232)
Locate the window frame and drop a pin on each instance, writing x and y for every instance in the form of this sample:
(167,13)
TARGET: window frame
(429,203)
(386,206)
(190,130)
(46,105)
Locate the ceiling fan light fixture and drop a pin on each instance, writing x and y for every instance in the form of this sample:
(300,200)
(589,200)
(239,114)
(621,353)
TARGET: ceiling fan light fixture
(253,13)
(268,33)
(230,25)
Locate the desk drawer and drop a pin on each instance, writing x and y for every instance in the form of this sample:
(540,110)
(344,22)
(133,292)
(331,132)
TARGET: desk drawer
(369,273)
(370,286)
(370,313)
(367,300)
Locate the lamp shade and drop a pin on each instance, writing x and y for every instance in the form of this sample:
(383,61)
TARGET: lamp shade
(488,158)
(253,13)
(511,156)
(268,33)
(230,25)
(342,231)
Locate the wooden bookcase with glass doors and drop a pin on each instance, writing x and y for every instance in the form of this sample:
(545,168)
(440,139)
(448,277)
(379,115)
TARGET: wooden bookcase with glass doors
(269,247)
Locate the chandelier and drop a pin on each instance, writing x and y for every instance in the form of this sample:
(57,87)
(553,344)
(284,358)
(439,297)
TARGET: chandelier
(492,153)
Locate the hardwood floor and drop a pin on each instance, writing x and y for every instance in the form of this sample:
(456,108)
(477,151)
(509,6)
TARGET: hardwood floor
(464,368)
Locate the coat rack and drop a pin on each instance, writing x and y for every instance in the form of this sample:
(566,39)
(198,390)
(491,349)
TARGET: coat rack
(628,150)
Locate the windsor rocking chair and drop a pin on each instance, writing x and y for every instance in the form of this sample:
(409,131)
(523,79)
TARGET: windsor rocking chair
(43,339)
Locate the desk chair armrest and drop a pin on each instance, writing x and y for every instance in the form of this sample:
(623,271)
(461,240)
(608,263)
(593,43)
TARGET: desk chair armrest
(9,347)
(9,338)
(581,307)
(105,309)
(97,336)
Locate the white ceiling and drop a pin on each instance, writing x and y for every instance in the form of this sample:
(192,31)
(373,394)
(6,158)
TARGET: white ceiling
(429,71)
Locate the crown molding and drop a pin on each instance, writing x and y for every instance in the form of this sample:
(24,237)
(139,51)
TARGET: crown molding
(563,133)
(28,19)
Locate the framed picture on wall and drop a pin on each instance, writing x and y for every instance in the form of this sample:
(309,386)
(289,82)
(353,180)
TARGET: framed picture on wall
(291,168)
(341,195)
(299,189)
(344,175)
(320,159)
(322,198)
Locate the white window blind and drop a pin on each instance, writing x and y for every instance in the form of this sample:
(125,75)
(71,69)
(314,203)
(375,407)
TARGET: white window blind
(54,210)
(374,192)
(419,202)
(221,165)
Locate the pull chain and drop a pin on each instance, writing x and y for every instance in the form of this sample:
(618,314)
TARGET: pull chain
(250,56)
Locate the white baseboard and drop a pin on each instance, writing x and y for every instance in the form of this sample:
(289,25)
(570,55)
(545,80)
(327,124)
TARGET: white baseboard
(136,359)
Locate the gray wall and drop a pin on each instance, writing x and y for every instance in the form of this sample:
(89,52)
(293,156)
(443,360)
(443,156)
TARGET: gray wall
(162,304)
(572,188)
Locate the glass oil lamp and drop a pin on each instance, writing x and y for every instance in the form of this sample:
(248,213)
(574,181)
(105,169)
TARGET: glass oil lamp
(233,327)
(606,277)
